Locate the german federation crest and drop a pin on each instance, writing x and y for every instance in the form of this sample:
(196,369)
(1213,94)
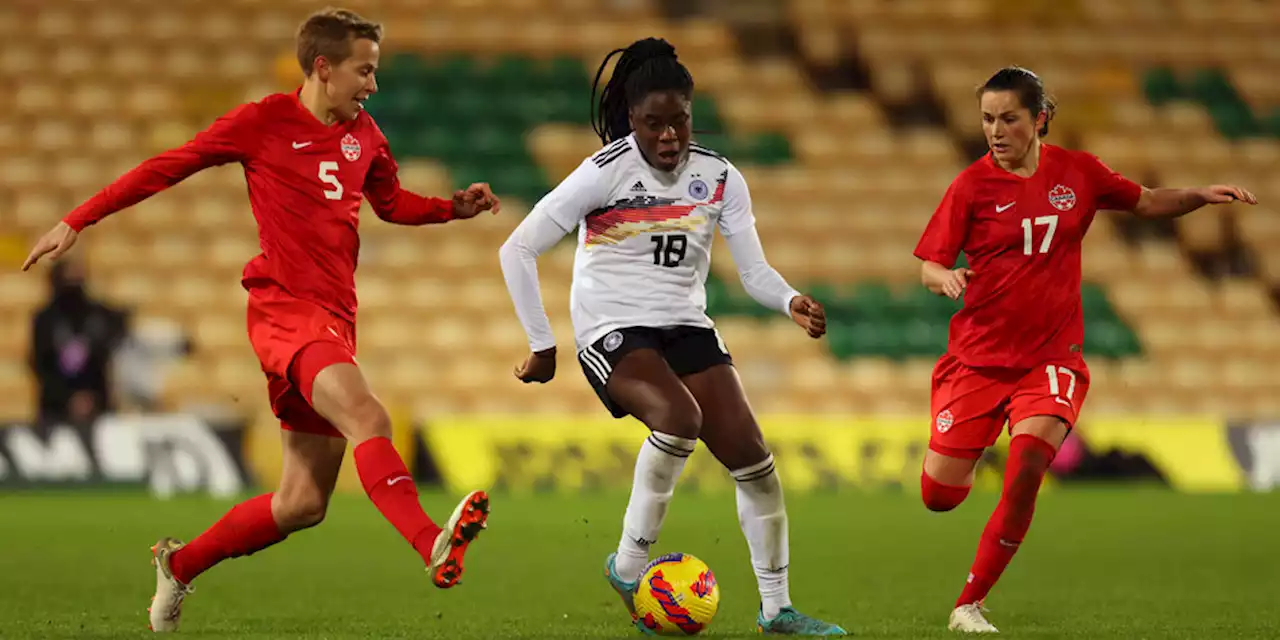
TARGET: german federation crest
(698,190)
(1062,198)
(350,148)
(612,341)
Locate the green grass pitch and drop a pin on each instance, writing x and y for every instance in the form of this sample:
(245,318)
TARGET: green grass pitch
(1098,563)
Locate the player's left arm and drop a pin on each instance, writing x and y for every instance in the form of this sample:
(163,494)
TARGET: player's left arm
(398,205)
(762,282)
(1117,192)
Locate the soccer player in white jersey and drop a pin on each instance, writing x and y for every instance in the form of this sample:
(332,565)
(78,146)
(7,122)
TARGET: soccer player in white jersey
(646,208)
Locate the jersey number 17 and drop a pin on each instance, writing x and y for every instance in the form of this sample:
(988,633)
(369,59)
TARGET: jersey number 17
(1048,221)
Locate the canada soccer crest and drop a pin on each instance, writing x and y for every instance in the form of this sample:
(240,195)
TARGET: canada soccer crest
(945,420)
(1062,198)
(350,148)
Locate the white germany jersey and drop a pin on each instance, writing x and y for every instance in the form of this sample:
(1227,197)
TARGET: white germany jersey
(644,236)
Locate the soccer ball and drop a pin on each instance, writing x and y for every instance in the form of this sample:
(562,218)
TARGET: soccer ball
(677,595)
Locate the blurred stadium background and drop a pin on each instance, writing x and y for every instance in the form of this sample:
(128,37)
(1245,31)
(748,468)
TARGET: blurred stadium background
(849,118)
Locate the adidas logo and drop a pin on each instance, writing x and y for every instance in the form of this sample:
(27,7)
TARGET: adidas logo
(638,186)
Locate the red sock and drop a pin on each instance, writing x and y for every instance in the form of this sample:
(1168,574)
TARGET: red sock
(1029,458)
(247,528)
(393,492)
(938,496)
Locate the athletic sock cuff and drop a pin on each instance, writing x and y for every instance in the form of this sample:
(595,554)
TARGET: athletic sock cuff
(672,445)
(756,471)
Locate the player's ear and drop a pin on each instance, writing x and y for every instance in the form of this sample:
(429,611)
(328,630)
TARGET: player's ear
(322,68)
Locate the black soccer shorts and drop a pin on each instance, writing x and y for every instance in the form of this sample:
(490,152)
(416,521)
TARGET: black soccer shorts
(686,349)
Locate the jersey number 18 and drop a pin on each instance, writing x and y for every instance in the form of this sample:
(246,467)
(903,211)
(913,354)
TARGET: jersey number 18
(668,250)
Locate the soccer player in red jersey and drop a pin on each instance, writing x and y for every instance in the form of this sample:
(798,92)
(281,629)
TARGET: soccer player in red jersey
(1014,354)
(309,157)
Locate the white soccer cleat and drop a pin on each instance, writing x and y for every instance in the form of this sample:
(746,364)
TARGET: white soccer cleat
(968,618)
(166,605)
(468,519)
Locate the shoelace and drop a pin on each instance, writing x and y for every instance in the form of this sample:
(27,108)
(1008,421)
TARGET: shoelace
(974,612)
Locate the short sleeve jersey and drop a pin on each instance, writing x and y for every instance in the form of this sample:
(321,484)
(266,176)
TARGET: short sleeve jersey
(1023,239)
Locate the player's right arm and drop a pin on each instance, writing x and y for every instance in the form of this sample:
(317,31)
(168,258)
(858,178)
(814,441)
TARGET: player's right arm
(942,241)
(555,215)
(226,140)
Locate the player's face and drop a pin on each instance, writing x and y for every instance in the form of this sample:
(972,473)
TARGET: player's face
(663,123)
(351,83)
(1009,126)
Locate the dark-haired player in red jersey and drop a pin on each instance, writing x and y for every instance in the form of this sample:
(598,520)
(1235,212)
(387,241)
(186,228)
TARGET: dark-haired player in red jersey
(309,157)
(1014,355)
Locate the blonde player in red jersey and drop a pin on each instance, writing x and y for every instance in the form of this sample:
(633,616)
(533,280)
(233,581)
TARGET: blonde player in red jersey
(1014,354)
(309,158)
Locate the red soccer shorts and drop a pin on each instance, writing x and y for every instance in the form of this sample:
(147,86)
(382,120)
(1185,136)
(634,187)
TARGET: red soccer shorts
(295,340)
(971,405)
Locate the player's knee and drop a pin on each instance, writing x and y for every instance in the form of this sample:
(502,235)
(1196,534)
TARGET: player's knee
(369,419)
(299,509)
(743,449)
(941,497)
(682,419)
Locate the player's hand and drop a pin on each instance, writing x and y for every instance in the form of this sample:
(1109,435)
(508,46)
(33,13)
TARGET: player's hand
(1223,193)
(809,314)
(469,202)
(56,242)
(954,282)
(539,367)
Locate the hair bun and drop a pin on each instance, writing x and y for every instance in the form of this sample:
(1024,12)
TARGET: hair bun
(652,48)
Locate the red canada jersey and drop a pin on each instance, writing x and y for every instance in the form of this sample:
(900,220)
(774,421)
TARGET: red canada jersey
(1022,238)
(305,181)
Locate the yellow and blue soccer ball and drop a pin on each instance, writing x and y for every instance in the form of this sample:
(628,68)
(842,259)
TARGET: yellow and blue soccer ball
(677,596)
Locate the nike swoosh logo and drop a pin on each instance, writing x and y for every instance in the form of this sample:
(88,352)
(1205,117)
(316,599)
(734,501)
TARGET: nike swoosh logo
(1061,401)
(392,481)
(1000,209)
(299,145)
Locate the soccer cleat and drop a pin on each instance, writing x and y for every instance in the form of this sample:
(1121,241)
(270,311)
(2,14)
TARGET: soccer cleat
(626,590)
(790,622)
(468,519)
(166,606)
(968,618)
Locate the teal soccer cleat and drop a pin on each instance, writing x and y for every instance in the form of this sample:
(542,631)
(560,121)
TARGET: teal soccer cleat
(790,622)
(626,590)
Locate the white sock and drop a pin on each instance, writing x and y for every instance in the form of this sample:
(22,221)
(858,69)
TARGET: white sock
(658,467)
(763,516)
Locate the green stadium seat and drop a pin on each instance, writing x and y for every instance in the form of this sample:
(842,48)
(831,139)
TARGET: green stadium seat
(1272,123)
(718,142)
(922,337)
(706,117)
(447,73)
(441,142)
(511,72)
(874,301)
(1110,339)
(567,75)
(1093,299)
(919,302)
(768,149)
(1211,86)
(1234,120)
(1161,86)
(403,70)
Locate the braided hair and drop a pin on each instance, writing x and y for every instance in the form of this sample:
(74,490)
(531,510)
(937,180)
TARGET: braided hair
(644,67)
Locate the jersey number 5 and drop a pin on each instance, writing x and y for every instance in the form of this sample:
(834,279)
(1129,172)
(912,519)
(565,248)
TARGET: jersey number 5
(1050,221)
(327,170)
(669,250)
